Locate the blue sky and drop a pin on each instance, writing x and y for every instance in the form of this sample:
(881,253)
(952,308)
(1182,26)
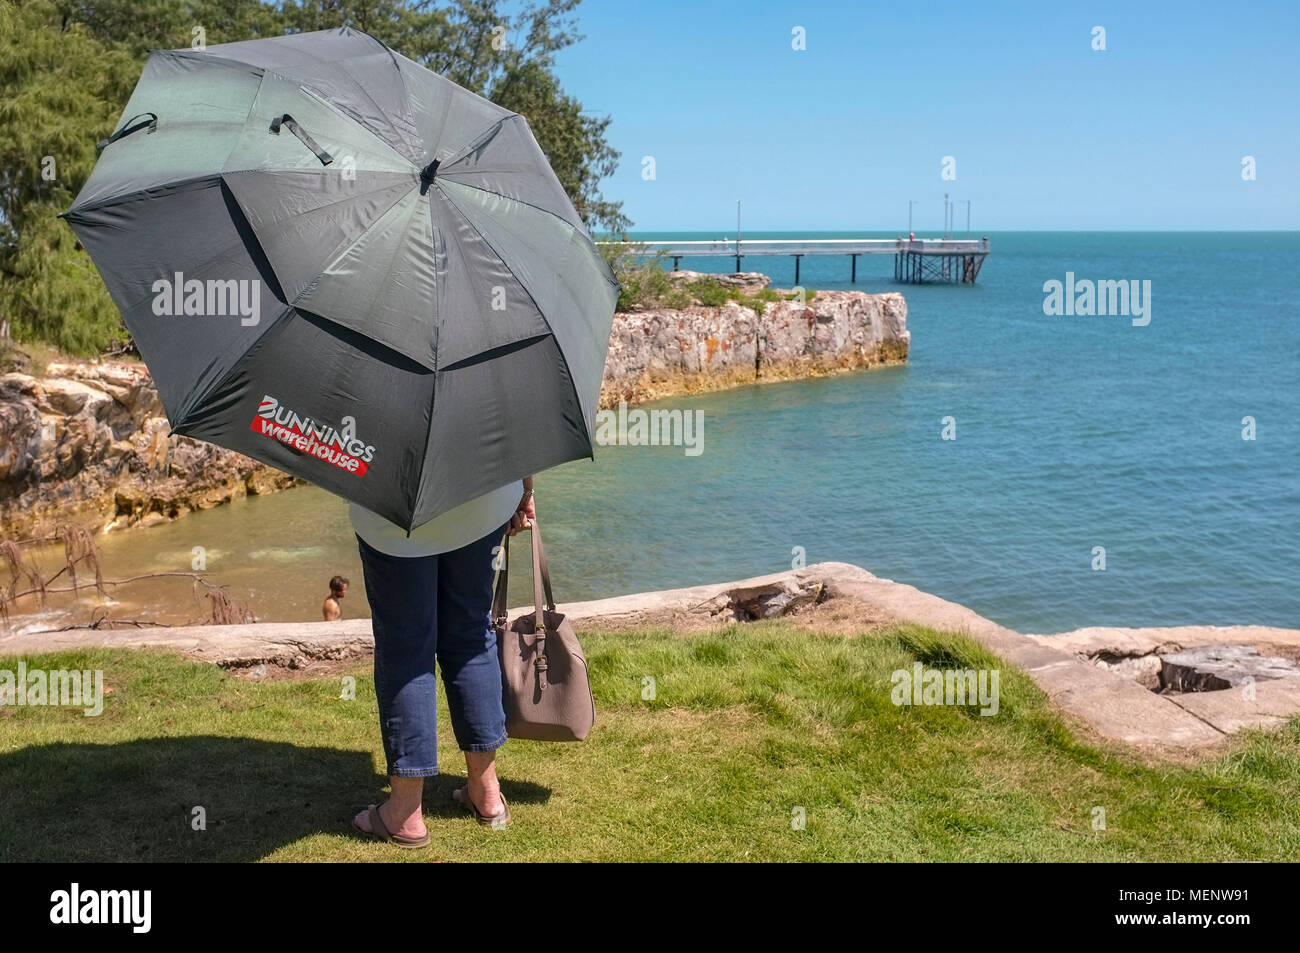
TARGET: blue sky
(1046,133)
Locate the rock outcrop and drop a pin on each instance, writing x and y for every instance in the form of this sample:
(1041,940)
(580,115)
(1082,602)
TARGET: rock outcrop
(87,445)
(1184,659)
(659,352)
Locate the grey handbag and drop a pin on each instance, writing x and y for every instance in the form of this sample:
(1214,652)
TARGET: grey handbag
(545,688)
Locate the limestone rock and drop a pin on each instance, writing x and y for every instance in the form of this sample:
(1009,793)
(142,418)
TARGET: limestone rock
(658,352)
(1209,668)
(88,444)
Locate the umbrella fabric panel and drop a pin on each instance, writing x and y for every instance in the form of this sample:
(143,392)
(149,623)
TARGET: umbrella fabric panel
(563,272)
(303,220)
(201,110)
(330,406)
(447,117)
(509,162)
(481,304)
(383,285)
(352,70)
(498,418)
(351,145)
(193,290)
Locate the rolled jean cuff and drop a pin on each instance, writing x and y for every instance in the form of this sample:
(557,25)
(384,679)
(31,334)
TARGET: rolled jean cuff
(396,772)
(489,747)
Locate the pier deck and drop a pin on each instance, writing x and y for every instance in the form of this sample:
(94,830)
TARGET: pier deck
(915,260)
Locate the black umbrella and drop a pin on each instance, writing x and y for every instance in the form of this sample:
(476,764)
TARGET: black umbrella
(342,264)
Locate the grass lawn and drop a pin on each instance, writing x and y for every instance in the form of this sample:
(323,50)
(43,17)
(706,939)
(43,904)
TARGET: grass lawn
(747,726)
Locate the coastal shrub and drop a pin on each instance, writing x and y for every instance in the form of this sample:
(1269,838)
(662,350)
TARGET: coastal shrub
(712,293)
(642,278)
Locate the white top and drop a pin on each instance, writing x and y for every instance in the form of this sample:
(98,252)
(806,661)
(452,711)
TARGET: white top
(453,529)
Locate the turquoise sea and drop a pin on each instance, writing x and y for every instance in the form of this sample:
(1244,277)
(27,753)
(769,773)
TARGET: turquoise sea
(1072,433)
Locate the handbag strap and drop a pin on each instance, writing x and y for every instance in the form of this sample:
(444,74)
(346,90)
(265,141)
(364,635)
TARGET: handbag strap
(542,593)
(541,572)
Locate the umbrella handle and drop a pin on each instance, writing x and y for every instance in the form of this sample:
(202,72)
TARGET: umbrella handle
(126,130)
(297,130)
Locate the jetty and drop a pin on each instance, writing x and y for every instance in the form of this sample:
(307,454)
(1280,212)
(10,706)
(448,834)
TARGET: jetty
(916,260)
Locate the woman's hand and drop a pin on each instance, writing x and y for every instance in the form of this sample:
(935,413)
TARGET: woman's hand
(526,513)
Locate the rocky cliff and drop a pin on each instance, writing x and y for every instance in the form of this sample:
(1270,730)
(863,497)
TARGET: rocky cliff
(87,445)
(660,352)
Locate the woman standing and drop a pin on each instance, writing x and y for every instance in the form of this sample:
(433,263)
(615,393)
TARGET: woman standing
(430,595)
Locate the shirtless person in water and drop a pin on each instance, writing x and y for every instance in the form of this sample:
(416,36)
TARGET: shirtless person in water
(338,589)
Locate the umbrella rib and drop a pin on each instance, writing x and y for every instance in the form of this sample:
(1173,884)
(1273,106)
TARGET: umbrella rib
(573,386)
(477,141)
(401,80)
(318,98)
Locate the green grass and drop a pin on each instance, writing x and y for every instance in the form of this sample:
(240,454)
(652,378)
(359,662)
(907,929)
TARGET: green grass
(746,726)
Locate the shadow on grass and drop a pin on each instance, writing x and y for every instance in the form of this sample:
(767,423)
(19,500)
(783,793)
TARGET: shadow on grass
(137,800)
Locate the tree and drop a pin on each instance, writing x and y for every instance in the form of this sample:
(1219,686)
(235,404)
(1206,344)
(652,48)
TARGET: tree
(61,88)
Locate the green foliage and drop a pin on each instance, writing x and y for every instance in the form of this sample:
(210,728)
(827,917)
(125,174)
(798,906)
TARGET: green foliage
(63,88)
(711,292)
(642,278)
(67,67)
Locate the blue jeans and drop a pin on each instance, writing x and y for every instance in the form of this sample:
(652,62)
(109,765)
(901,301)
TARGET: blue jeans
(429,607)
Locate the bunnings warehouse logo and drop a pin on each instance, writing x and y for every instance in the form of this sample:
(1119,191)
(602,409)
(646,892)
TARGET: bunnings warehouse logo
(336,445)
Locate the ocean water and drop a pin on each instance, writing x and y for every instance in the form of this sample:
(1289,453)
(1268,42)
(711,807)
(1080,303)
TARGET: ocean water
(1072,432)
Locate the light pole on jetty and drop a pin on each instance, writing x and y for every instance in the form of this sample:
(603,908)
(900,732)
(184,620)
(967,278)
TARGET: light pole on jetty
(737,236)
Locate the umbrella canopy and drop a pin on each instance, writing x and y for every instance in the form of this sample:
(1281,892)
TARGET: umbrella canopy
(344,265)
